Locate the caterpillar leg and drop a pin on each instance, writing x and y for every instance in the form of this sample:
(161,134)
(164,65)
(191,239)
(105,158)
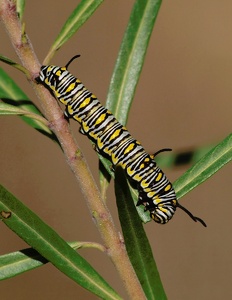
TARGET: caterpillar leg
(95,147)
(82,131)
(143,200)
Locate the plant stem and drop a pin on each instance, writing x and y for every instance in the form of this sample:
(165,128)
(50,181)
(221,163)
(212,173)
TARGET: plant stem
(103,220)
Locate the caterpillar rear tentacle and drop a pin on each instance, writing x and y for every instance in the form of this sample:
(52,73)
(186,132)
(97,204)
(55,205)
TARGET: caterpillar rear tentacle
(114,141)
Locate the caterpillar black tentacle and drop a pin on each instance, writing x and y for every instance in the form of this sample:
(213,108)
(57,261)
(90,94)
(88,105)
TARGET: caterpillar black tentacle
(160,151)
(195,219)
(114,141)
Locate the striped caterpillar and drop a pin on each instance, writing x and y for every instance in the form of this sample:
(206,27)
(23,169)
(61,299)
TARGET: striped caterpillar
(114,141)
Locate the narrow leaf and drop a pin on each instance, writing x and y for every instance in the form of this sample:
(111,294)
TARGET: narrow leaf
(130,61)
(18,262)
(137,244)
(51,246)
(78,17)
(131,58)
(12,95)
(205,167)
(20,5)
(14,64)
(7,109)
(180,158)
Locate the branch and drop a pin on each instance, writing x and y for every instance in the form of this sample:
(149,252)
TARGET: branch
(103,220)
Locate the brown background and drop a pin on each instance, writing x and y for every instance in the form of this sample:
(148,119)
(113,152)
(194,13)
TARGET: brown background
(183,99)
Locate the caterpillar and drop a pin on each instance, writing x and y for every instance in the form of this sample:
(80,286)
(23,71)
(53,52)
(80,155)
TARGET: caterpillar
(114,141)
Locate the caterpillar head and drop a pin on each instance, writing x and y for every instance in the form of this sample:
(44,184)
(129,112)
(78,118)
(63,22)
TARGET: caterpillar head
(52,75)
(163,212)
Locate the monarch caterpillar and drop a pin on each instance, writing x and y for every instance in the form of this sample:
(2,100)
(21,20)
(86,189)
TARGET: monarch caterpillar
(114,141)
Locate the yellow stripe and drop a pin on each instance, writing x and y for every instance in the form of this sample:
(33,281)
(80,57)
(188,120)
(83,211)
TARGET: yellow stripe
(168,187)
(129,148)
(70,110)
(84,103)
(70,87)
(137,177)
(114,159)
(150,194)
(141,166)
(85,126)
(159,176)
(100,119)
(144,184)
(130,172)
(58,73)
(115,134)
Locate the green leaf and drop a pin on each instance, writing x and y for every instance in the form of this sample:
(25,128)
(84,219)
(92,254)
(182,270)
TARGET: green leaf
(78,17)
(137,244)
(209,164)
(131,58)
(13,96)
(130,61)
(107,165)
(7,109)
(14,64)
(18,262)
(20,5)
(188,156)
(51,246)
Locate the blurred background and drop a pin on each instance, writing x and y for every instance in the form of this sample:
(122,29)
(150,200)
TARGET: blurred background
(183,100)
